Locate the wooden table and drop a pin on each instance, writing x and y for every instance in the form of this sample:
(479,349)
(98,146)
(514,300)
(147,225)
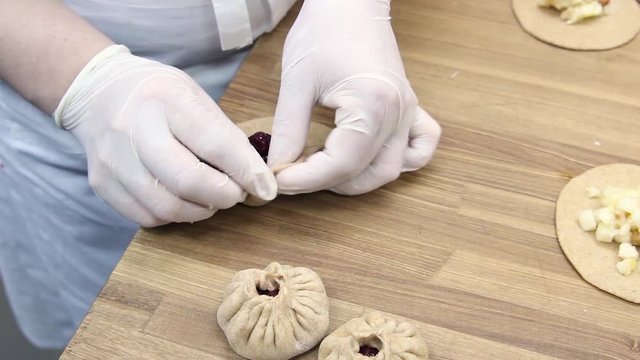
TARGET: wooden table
(465,247)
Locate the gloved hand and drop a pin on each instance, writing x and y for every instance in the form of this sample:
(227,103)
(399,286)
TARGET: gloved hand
(144,125)
(343,55)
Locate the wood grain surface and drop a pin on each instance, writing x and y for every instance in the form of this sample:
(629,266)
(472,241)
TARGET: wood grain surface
(465,248)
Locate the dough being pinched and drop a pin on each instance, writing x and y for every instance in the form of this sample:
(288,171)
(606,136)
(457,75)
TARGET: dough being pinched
(315,141)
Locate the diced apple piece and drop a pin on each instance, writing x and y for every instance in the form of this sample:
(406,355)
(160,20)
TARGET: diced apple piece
(587,220)
(628,204)
(621,218)
(605,215)
(611,195)
(627,251)
(605,233)
(626,266)
(593,192)
(623,234)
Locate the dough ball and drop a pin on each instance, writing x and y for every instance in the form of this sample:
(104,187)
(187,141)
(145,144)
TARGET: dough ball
(374,336)
(275,313)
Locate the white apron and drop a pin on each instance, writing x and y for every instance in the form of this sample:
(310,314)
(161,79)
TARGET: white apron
(59,242)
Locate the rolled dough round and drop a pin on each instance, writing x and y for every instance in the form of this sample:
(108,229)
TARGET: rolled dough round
(619,25)
(315,141)
(595,261)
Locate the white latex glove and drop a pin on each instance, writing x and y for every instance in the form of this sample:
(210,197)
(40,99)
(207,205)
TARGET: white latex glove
(144,125)
(343,55)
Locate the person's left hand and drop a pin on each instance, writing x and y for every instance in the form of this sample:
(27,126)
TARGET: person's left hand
(343,54)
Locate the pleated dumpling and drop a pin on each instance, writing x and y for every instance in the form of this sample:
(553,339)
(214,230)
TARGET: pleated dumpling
(376,337)
(275,313)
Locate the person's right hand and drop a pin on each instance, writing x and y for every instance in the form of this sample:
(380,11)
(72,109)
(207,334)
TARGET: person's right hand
(144,127)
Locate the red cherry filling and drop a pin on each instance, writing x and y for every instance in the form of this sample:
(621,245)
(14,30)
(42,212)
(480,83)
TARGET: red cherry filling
(369,351)
(261,142)
(271,293)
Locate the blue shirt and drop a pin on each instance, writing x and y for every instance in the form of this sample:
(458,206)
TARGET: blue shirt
(59,241)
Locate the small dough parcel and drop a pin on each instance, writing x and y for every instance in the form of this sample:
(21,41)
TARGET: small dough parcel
(598,227)
(374,336)
(274,314)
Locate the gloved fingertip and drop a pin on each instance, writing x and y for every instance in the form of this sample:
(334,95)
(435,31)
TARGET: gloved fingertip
(278,157)
(266,186)
(291,120)
(286,185)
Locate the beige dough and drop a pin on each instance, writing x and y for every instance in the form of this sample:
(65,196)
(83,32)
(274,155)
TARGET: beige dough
(290,320)
(595,261)
(315,141)
(393,339)
(619,25)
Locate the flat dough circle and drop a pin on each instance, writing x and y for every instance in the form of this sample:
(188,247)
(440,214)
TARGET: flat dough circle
(619,25)
(595,261)
(315,141)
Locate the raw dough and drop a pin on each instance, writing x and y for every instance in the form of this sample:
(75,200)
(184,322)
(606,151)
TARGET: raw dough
(619,25)
(595,261)
(393,339)
(315,141)
(267,327)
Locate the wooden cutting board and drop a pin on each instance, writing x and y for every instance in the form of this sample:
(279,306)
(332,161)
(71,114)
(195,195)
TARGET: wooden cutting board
(466,247)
